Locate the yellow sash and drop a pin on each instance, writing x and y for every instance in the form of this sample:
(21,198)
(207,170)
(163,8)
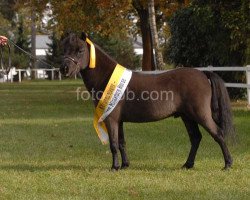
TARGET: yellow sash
(111,96)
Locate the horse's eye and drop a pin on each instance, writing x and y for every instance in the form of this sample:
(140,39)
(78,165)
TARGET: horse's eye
(81,51)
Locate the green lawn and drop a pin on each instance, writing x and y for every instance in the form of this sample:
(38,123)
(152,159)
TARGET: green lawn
(49,150)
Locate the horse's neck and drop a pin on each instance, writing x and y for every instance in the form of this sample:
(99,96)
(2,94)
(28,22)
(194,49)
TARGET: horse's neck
(96,79)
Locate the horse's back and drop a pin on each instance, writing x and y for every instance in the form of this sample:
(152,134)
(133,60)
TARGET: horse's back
(175,80)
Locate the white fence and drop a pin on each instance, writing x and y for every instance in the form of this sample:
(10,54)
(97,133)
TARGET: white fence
(233,69)
(41,73)
(38,74)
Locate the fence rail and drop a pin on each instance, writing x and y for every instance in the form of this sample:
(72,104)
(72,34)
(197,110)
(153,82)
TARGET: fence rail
(235,69)
(232,69)
(209,68)
(39,73)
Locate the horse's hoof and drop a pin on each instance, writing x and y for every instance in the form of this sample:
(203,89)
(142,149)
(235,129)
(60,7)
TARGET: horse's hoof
(187,166)
(114,169)
(227,167)
(125,165)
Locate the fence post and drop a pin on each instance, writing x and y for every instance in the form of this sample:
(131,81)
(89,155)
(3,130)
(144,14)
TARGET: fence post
(11,76)
(19,76)
(248,82)
(52,74)
(60,76)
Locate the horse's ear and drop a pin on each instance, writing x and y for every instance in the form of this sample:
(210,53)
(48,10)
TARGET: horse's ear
(83,36)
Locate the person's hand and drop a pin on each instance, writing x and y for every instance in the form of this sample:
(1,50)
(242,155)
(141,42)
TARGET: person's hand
(3,40)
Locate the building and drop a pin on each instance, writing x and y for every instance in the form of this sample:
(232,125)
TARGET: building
(42,47)
(137,44)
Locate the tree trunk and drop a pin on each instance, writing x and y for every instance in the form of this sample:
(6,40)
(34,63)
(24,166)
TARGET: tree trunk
(33,36)
(148,63)
(156,45)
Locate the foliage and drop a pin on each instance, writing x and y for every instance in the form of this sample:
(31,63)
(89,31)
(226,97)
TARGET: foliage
(105,20)
(207,34)
(5,25)
(7,9)
(192,30)
(104,17)
(20,61)
(54,52)
(21,38)
(211,34)
(38,5)
(107,17)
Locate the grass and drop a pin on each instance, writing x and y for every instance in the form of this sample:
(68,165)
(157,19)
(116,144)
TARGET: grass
(49,150)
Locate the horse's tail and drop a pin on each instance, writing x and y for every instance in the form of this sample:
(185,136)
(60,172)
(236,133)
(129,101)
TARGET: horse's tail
(220,105)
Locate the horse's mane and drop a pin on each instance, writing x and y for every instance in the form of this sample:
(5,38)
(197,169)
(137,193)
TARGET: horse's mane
(104,53)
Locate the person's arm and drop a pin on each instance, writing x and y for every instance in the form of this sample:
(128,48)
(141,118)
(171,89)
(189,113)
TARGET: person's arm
(3,40)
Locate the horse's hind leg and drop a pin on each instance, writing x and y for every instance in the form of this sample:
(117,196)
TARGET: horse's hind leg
(218,136)
(195,138)
(122,147)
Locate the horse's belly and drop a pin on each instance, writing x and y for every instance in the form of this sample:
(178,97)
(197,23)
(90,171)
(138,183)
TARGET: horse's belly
(148,111)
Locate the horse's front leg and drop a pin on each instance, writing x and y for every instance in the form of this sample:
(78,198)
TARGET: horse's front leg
(122,147)
(113,127)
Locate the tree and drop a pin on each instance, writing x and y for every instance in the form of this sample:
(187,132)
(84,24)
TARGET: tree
(5,25)
(102,17)
(211,34)
(109,17)
(154,33)
(166,9)
(148,56)
(120,49)
(8,10)
(54,52)
(19,59)
(36,7)
(205,34)
(21,38)
(106,22)
(33,36)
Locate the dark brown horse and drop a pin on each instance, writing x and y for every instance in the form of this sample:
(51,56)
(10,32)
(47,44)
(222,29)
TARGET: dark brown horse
(197,97)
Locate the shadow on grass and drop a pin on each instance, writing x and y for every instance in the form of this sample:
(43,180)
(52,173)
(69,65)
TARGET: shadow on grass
(51,167)
(65,167)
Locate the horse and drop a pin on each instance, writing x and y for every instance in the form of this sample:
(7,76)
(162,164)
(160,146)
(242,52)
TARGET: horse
(200,98)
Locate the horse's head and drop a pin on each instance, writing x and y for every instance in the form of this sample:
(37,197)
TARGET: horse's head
(76,54)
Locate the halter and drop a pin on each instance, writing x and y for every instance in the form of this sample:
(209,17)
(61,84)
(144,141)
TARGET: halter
(71,59)
(7,69)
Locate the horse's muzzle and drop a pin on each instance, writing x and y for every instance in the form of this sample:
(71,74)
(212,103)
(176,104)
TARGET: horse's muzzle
(64,69)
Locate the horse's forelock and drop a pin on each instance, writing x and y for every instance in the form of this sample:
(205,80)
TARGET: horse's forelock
(73,39)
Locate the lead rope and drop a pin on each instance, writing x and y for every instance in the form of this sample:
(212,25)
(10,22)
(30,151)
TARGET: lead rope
(30,55)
